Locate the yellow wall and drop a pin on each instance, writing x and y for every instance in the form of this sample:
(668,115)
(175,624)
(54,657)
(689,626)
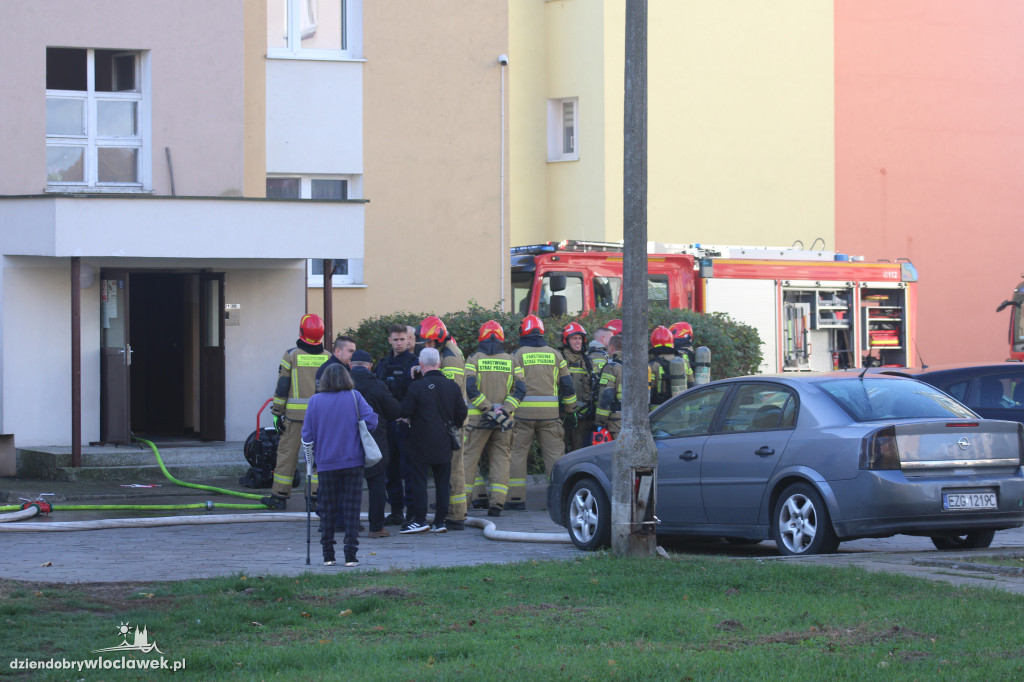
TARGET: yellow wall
(432,150)
(740,122)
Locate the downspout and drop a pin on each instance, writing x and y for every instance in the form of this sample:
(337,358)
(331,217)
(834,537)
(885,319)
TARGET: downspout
(503,61)
(328,303)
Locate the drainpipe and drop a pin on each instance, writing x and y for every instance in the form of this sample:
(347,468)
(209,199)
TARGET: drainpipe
(76,361)
(503,61)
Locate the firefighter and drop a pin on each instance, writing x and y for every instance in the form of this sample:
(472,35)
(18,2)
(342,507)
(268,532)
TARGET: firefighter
(495,387)
(578,424)
(609,407)
(668,370)
(682,335)
(296,384)
(597,351)
(547,380)
(453,365)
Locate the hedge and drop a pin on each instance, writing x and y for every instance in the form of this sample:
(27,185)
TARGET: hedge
(735,347)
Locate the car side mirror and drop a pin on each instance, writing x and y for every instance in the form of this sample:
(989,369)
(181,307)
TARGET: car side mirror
(556,282)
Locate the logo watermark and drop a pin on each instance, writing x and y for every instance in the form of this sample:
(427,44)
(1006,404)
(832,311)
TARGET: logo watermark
(140,643)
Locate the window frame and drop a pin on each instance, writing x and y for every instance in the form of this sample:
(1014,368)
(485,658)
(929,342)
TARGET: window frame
(351,34)
(556,129)
(92,141)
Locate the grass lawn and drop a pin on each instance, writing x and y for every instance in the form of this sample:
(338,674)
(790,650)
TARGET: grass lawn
(595,618)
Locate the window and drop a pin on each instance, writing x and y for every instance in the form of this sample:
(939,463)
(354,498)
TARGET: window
(305,187)
(96,120)
(760,407)
(347,272)
(606,292)
(563,129)
(657,288)
(561,294)
(314,29)
(690,415)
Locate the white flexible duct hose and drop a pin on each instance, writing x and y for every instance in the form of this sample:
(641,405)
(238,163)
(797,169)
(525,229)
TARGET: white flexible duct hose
(26,513)
(490,530)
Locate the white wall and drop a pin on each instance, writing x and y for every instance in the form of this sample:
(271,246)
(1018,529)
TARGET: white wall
(314,116)
(35,355)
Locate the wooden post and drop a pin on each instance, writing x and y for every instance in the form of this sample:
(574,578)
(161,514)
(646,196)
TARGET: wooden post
(635,454)
(328,303)
(76,361)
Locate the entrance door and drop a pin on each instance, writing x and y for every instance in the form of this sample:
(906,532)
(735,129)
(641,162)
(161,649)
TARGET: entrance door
(211,356)
(115,358)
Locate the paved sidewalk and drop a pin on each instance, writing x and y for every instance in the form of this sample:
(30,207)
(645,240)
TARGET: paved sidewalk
(259,548)
(279,547)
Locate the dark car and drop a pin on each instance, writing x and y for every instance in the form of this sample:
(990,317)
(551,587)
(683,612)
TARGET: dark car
(810,460)
(993,390)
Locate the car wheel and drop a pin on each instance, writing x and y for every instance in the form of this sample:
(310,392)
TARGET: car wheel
(802,525)
(588,513)
(978,539)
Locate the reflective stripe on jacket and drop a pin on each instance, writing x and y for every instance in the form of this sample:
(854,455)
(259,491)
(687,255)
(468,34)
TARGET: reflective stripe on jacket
(547,377)
(299,369)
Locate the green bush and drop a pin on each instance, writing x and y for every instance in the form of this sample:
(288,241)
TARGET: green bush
(735,347)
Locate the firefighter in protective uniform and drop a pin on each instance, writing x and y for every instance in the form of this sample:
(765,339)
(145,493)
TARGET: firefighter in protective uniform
(548,385)
(495,386)
(609,405)
(579,424)
(296,384)
(682,335)
(453,365)
(668,370)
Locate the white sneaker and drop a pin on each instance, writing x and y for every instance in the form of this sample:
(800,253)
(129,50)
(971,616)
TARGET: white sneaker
(413,527)
(439,528)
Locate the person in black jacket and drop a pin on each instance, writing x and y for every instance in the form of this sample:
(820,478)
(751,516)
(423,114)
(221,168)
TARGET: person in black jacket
(387,409)
(395,371)
(433,402)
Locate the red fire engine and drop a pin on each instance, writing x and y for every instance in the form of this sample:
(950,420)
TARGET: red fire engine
(1016,323)
(814,310)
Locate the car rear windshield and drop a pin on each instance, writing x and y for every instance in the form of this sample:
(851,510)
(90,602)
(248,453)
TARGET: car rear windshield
(869,400)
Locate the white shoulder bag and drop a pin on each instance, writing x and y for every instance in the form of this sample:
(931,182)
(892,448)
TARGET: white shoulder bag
(371,451)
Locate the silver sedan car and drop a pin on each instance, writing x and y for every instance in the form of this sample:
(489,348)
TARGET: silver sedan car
(810,460)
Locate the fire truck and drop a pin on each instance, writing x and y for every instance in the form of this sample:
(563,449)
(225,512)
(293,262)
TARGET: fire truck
(814,310)
(1016,323)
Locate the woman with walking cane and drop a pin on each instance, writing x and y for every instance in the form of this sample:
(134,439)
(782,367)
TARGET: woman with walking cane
(331,427)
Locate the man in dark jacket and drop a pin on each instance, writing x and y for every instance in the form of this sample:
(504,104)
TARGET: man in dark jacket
(434,403)
(387,408)
(395,371)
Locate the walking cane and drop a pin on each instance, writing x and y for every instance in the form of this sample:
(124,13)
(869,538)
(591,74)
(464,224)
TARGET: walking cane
(307,450)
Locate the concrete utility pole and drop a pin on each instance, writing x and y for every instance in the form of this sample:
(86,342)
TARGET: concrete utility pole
(633,531)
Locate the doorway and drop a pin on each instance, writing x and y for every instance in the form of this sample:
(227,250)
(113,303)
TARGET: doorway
(162,356)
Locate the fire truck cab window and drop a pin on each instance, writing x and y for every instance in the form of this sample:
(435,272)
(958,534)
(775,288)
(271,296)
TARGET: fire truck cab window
(657,288)
(606,292)
(556,299)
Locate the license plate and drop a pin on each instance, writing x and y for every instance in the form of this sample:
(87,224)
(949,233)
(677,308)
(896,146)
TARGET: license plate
(979,500)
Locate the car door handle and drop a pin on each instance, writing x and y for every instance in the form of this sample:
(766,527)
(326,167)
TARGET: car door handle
(688,455)
(764,451)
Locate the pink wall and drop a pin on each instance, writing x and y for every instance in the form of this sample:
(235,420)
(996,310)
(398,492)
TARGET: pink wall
(930,157)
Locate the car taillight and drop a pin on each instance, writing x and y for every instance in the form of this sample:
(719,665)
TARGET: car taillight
(880,450)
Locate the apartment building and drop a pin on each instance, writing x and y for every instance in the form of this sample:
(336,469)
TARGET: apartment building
(169,171)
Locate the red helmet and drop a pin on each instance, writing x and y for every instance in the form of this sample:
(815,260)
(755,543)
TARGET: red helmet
(573,328)
(433,329)
(614,325)
(491,330)
(661,337)
(311,328)
(531,325)
(682,330)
